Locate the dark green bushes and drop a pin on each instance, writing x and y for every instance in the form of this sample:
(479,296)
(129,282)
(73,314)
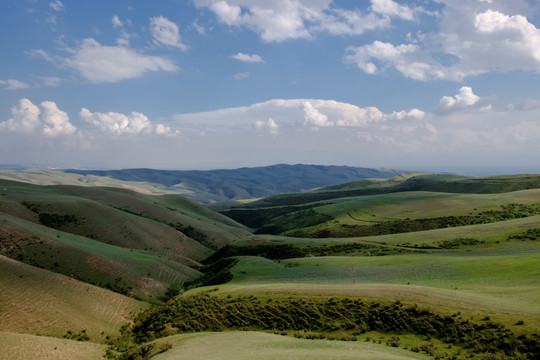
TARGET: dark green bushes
(507,212)
(531,234)
(288,251)
(316,315)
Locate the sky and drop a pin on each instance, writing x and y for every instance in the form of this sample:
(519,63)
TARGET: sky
(208,84)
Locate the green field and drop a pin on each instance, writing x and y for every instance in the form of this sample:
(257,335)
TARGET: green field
(255,345)
(445,267)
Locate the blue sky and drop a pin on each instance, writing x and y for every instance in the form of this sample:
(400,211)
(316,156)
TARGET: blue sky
(200,84)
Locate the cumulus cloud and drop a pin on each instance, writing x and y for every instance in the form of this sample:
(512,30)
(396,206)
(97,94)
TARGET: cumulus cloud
(56,121)
(363,56)
(166,32)
(414,114)
(117,123)
(27,117)
(161,129)
(254,58)
(465,99)
(276,21)
(475,37)
(391,8)
(12,84)
(300,113)
(270,125)
(312,116)
(108,64)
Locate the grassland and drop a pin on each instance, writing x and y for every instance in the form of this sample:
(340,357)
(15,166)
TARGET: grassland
(135,244)
(256,345)
(456,277)
(24,346)
(40,302)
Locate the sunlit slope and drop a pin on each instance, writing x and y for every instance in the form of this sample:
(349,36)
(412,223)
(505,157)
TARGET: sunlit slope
(24,346)
(112,215)
(255,345)
(59,177)
(127,271)
(40,302)
(489,268)
(139,245)
(345,216)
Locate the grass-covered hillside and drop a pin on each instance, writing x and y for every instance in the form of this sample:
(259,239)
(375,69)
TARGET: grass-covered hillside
(401,204)
(134,244)
(414,267)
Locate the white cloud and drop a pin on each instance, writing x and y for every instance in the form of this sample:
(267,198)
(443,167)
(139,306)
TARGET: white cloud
(27,118)
(312,116)
(270,125)
(117,23)
(56,121)
(118,123)
(391,8)
(12,84)
(161,129)
(298,113)
(166,32)
(254,58)
(475,37)
(414,114)
(408,59)
(109,64)
(276,21)
(56,5)
(201,30)
(465,99)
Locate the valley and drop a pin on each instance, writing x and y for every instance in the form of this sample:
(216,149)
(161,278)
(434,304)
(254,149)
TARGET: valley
(413,266)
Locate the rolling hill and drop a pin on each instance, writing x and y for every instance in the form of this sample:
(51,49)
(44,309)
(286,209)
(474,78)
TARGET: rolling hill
(132,243)
(413,267)
(244,183)
(410,202)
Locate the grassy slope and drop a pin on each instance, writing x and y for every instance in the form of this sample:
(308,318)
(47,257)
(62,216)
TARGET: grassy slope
(40,302)
(24,346)
(498,276)
(58,177)
(254,345)
(137,273)
(115,238)
(354,201)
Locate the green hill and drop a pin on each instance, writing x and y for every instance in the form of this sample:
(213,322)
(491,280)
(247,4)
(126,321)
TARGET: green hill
(132,243)
(375,207)
(417,266)
(40,302)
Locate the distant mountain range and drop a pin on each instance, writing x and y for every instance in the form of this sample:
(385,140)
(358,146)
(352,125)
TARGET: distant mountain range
(244,183)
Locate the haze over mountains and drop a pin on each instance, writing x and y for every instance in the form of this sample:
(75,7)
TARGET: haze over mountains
(211,185)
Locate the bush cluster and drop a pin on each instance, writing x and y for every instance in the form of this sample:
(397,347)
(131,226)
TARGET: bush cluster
(314,315)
